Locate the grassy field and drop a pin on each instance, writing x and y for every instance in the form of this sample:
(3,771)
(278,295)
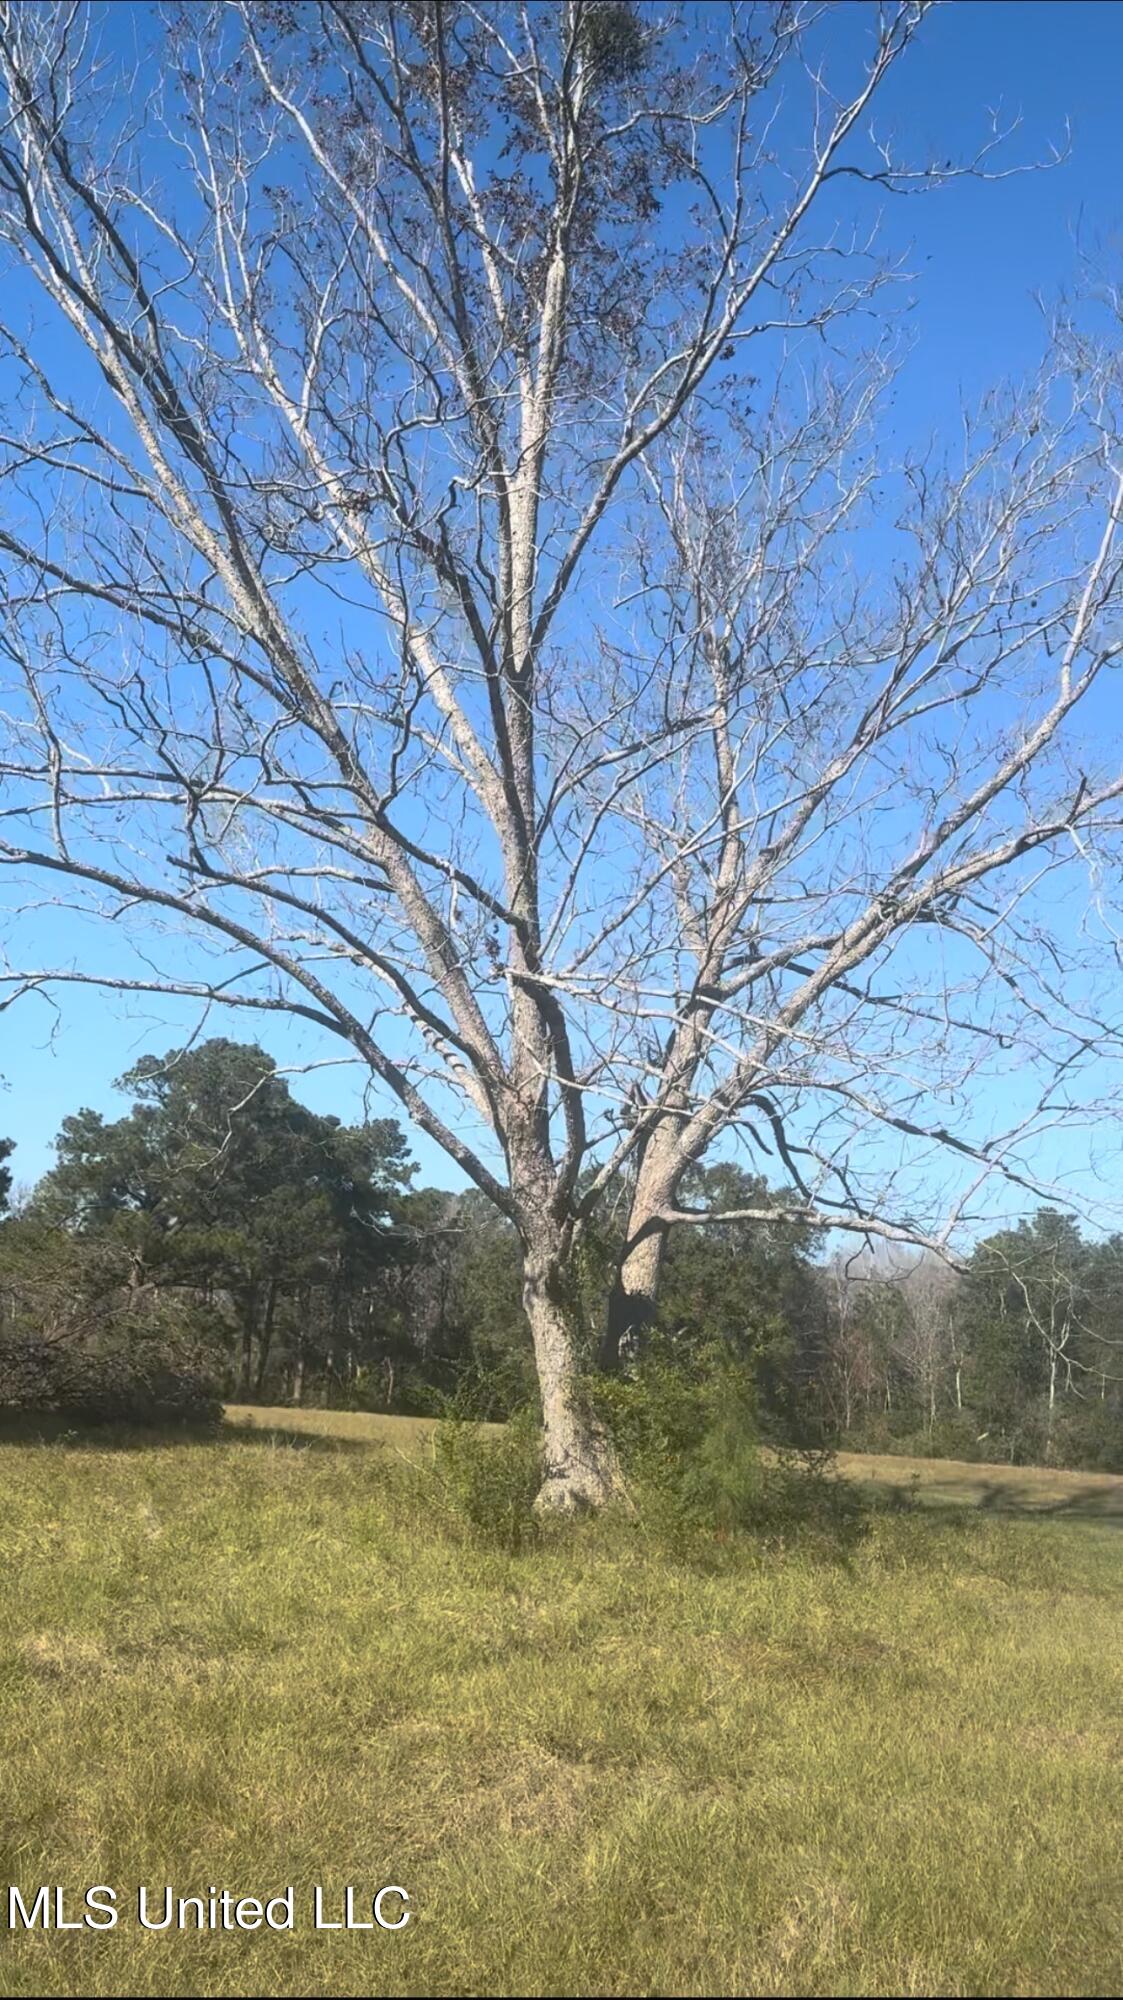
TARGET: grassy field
(259,1662)
(1004,1489)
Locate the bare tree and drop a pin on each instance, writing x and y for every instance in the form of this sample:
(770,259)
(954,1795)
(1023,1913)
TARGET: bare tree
(444,577)
(846,1372)
(1055,1287)
(931,1338)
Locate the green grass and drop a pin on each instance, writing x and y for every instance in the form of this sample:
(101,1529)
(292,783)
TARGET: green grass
(258,1662)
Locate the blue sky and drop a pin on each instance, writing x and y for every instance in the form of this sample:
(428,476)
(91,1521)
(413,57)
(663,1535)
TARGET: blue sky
(980,254)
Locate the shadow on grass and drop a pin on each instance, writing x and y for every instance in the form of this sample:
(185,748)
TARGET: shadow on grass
(1001,1496)
(25,1427)
(293,1437)
(69,1434)
(1086,1503)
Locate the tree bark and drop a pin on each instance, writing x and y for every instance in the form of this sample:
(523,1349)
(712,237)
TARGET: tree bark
(266,1337)
(249,1319)
(580,1466)
(632,1301)
(633,1298)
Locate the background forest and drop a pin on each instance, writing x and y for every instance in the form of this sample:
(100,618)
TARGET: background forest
(221,1240)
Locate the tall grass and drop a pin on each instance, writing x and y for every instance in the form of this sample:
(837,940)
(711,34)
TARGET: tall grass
(595,1768)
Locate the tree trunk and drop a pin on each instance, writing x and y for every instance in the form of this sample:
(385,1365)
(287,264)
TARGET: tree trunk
(632,1300)
(266,1337)
(580,1464)
(249,1318)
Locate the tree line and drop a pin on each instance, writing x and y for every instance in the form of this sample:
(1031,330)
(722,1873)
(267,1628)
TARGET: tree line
(223,1232)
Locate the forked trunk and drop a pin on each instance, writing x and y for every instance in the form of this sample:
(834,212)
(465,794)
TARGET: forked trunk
(632,1300)
(581,1470)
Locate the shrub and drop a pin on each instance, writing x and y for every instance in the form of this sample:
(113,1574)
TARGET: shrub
(489,1478)
(149,1366)
(689,1446)
(954,1436)
(1090,1439)
(76,1343)
(146,1374)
